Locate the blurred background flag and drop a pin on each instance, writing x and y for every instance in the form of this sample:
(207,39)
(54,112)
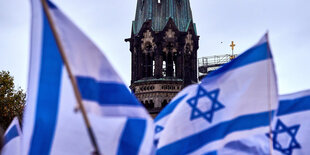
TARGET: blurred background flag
(290,130)
(12,139)
(205,116)
(53,123)
(291,126)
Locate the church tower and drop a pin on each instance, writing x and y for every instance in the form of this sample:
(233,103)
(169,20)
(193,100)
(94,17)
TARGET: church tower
(163,48)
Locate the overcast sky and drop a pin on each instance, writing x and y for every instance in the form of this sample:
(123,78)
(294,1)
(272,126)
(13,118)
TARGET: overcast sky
(108,23)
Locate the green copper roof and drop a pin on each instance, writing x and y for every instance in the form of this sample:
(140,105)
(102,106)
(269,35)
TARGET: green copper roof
(159,13)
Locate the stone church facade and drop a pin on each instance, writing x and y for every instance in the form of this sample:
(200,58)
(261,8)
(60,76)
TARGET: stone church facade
(163,46)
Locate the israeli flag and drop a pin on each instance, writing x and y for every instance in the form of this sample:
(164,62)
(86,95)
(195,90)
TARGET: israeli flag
(232,102)
(291,126)
(289,134)
(52,123)
(12,139)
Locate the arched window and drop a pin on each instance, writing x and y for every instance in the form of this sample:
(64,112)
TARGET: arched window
(143,104)
(151,104)
(153,67)
(147,105)
(164,68)
(164,103)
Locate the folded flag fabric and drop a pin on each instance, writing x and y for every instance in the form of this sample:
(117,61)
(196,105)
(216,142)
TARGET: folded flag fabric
(52,123)
(205,116)
(12,139)
(252,145)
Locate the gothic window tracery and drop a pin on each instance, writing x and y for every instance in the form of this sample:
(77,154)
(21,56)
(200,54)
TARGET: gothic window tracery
(170,56)
(147,47)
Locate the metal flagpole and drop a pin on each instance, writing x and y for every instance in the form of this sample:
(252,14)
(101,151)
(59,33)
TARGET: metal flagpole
(72,79)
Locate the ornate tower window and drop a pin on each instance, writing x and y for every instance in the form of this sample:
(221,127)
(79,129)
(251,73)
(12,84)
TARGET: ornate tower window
(170,48)
(147,47)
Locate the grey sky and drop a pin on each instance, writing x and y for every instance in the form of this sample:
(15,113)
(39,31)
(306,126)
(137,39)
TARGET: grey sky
(108,23)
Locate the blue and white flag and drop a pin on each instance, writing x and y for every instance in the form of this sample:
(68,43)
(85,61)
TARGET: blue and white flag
(290,130)
(291,126)
(12,139)
(232,102)
(103,92)
(52,125)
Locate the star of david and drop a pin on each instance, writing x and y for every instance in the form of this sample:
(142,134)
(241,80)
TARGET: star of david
(291,131)
(195,103)
(158,129)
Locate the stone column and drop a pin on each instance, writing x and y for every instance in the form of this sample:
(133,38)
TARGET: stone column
(158,66)
(169,64)
(139,65)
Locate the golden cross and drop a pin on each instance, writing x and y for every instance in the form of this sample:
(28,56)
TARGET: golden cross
(232,45)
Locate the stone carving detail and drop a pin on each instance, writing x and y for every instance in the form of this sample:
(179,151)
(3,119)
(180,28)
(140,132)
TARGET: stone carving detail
(148,44)
(156,95)
(169,34)
(170,44)
(189,43)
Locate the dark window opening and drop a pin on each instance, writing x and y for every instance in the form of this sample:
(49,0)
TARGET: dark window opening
(164,103)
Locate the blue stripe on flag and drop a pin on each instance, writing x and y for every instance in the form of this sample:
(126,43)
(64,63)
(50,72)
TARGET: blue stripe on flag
(211,153)
(12,133)
(48,94)
(254,54)
(106,93)
(294,105)
(169,108)
(132,136)
(217,132)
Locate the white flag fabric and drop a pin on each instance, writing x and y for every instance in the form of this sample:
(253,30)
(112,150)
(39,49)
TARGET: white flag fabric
(102,90)
(290,130)
(52,125)
(205,116)
(12,139)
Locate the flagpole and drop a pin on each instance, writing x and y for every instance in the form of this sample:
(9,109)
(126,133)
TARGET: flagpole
(72,78)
